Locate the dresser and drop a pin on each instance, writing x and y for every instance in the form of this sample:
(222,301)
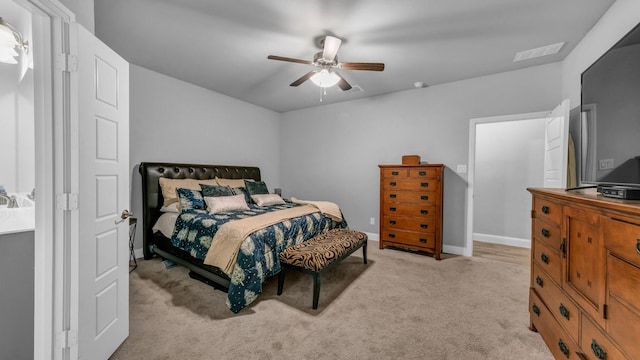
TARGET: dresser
(584,296)
(411,207)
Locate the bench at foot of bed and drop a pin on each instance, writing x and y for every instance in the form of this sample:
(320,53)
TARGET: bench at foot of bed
(318,254)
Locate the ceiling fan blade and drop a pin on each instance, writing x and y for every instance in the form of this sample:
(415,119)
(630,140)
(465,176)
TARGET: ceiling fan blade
(331,46)
(343,84)
(361,66)
(302,79)
(282,58)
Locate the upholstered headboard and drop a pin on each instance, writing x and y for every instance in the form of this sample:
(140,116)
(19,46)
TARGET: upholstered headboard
(152,196)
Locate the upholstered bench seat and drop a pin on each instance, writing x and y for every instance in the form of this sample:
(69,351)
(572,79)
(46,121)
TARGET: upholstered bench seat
(318,254)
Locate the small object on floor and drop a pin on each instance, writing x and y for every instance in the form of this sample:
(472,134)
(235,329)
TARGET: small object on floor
(168,264)
(318,254)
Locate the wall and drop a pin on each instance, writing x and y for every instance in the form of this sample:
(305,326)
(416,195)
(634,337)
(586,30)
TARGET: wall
(509,158)
(621,17)
(332,152)
(174,121)
(16,297)
(83,10)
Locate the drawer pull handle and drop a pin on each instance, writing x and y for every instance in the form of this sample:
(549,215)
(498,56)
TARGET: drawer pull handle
(539,281)
(424,241)
(544,258)
(638,246)
(545,232)
(393,196)
(564,311)
(393,183)
(536,309)
(424,212)
(598,351)
(545,209)
(392,235)
(392,209)
(563,348)
(424,184)
(424,226)
(422,173)
(394,173)
(425,197)
(392,222)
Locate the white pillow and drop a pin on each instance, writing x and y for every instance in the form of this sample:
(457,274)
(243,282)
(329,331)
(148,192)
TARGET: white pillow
(267,199)
(171,208)
(225,203)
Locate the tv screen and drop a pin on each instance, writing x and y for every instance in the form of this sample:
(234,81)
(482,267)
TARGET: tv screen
(609,145)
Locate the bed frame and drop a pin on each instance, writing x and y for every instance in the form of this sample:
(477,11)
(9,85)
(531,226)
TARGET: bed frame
(152,200)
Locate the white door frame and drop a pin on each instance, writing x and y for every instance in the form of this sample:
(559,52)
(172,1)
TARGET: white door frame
(468,249)
(52,113)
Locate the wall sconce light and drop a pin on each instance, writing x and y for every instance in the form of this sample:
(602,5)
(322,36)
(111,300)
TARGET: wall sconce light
(10,38)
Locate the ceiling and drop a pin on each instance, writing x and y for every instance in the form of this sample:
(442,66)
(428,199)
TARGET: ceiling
(223,45)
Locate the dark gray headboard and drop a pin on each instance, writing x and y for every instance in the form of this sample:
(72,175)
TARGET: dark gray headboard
(152,196)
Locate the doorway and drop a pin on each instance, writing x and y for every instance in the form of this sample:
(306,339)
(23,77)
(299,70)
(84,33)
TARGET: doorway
(506,155)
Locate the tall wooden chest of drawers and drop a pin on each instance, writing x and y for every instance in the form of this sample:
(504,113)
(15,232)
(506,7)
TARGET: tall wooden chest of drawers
(584,297)
(411,207)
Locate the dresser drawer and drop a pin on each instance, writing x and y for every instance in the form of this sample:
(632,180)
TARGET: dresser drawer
(407,196)
(548,259)
(547,232)
(547,210)
(595,345)
(426,224)
(564,310)
(408,210)
(395,173)
(623,239)
(411,184)
(557,340)
(424,173)
(409,238)
(623,300)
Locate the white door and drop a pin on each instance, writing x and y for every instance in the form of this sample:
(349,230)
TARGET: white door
(556,147)
(103,133)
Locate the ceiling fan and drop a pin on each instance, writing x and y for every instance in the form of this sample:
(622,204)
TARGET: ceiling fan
(326,62)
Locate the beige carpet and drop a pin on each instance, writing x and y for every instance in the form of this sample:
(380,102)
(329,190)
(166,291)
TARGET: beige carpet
(400,306)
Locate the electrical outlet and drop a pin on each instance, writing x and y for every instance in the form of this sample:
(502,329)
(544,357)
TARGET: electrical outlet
(605,164)
(372,221)
(461,169)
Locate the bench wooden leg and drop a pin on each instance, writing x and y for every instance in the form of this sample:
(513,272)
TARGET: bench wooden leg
(364,252)
(316,290)
(281,280)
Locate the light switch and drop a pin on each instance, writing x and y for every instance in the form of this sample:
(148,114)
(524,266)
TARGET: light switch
(461,169)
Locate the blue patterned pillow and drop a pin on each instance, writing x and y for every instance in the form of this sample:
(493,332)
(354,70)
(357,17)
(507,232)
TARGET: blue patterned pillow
(256,187)
(190,199)
(216,190)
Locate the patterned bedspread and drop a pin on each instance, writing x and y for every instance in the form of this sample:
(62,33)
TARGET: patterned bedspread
(258,255)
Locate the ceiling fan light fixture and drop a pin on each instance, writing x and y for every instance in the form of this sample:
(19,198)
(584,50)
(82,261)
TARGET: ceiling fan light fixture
(325,78)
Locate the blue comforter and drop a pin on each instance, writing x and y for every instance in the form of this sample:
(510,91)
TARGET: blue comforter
(258,256)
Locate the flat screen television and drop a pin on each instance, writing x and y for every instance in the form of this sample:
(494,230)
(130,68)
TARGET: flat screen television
(608,152)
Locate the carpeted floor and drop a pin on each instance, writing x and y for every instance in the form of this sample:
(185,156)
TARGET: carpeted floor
(400,306)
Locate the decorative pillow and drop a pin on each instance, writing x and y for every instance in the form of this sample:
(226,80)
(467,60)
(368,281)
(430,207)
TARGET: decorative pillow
(169,186)
(267,199)
(256,187)
(172,208)
(190,199)
(242,191)
(225,203)
(232,182)
(216,190)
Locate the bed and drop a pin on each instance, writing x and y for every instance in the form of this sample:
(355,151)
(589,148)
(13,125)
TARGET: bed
(185,243)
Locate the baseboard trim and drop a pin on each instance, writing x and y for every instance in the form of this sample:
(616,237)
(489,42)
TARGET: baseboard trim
(502,240)
(455,250)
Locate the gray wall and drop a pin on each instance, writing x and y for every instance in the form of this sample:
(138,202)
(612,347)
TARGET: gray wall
(16,295)
(84,12)
(332,152)
(509,158)
(174,121)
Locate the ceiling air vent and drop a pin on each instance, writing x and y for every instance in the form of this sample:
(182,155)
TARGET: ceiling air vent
(537,52)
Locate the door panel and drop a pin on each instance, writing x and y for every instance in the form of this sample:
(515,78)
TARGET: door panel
(103,130)
(556,147)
